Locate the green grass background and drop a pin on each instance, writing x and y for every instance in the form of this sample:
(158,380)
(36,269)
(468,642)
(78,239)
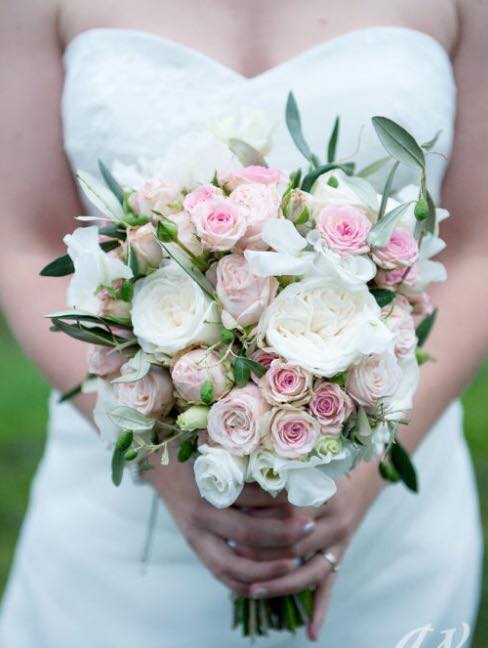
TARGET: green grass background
(22,435)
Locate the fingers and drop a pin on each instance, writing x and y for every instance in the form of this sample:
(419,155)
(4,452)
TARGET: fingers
(327,533)
(311,574)
(250,531)
(253,496)
(320,604)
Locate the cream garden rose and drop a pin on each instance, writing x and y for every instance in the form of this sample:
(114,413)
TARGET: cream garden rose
(152,395)
(219,475)
(171,312)
(322,325)
(375,378)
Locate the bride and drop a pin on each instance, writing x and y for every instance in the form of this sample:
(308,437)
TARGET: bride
(117,80)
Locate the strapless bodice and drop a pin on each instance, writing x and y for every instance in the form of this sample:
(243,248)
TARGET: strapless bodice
(130,94)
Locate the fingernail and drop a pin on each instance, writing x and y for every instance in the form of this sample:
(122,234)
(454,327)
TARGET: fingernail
(232,544)
(296,562)
(259,592)
(308,527)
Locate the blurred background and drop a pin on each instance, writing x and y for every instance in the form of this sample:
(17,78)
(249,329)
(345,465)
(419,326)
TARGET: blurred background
(22,434)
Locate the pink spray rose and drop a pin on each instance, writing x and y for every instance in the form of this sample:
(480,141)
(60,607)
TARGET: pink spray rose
(401,324)
(401,251)
(265,358)
(103,361)
(286,383)
(331,405)
(258,203)
(421,304)
(236,421)
(110,306)
(377,376)
(201,194)
(292,432)
(251,174)
(396,277)
(155,194)
(144,245)
(219,223)
(193,368)
(186,232)
(243,295)
(151,395)
(344,228)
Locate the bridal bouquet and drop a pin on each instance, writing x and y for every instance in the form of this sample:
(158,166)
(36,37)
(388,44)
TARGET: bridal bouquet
(268,324)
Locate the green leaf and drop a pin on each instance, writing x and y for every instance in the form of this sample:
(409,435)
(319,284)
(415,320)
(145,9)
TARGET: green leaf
(423,329)
(114,231)
(256,367)
(118,462)
(293,122)
(126,291)
(71,393)
(186,449)
(399,143)
(246,153)
(132,260)
(111,182)
(92,335)
(381,232)
(363,190)
(383,296)
(135,221)
(242,371)
(83,316)
(207,392)
(101,197)
(331,148)
(430,221)
(403,465)
(374,167)
(139,367)
(130,419)
(387,190)
(184,261)
(311,177)
(388,472)
(166,230)
(295,178)
(432,142)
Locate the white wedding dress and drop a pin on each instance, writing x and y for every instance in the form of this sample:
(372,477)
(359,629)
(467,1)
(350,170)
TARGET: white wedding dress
(77,580)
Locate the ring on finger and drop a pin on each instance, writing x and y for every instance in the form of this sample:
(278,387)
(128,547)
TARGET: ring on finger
(332,560)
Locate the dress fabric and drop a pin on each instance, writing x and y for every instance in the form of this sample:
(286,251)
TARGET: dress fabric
(77,579)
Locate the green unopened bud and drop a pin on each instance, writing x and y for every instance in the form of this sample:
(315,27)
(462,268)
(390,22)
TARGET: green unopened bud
(328,445)
(124,441)
(207,392)
(167,231)
(130,455)
(227,336)
(187,448)
(422,356)
(333,182)
(126,291)
(421,210)
(194,418)
(135,221)
(296,207)
(388,472)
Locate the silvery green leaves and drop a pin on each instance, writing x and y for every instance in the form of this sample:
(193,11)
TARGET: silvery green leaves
(130,419)
(100,197)
(381,232)
(294,124)
(399,143)
(246,154)
(139,366)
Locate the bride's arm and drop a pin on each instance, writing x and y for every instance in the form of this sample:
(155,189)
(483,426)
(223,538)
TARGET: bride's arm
(459,340)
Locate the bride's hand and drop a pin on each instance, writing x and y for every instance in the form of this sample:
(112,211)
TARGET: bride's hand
(208,530)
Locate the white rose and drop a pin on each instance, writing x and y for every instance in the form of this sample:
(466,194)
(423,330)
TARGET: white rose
(93,268)
(171,312)
(373,379)
(402,400)
(324,326)
(106,402)
(255,127)
(219,476)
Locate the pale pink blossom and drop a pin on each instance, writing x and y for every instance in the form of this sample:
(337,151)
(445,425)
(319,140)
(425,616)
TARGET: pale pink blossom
(201,194)
(286,383)
(422,304)
(151,395)
(186,232)
(236,421)
(331,405)
(219,223)
(258,203)
(193,368)
(292,432)
(144,245)
(394,278)
(243,295)
(265,358)
(103,361)
(251,174)
(344,228)
(401,251)
(156,194)
(376,377)
(401,324)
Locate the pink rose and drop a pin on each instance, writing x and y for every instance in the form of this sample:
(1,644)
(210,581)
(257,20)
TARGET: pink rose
(243,295)
(103,361)
(286,383)
(201,194)
(193,368)
(263,357)
(144,245)
(186,232)
(332,406)
(400,251)
(219,223)
(110,306)
(236,421)
(251,174)
(258,203)
(377,376)
(151,395)
(344,228)
(292,432)
(396,277)
(421,304)
(401,324)
(155,194)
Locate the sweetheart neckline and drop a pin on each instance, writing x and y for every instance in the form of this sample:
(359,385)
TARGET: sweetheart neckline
(341,39)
